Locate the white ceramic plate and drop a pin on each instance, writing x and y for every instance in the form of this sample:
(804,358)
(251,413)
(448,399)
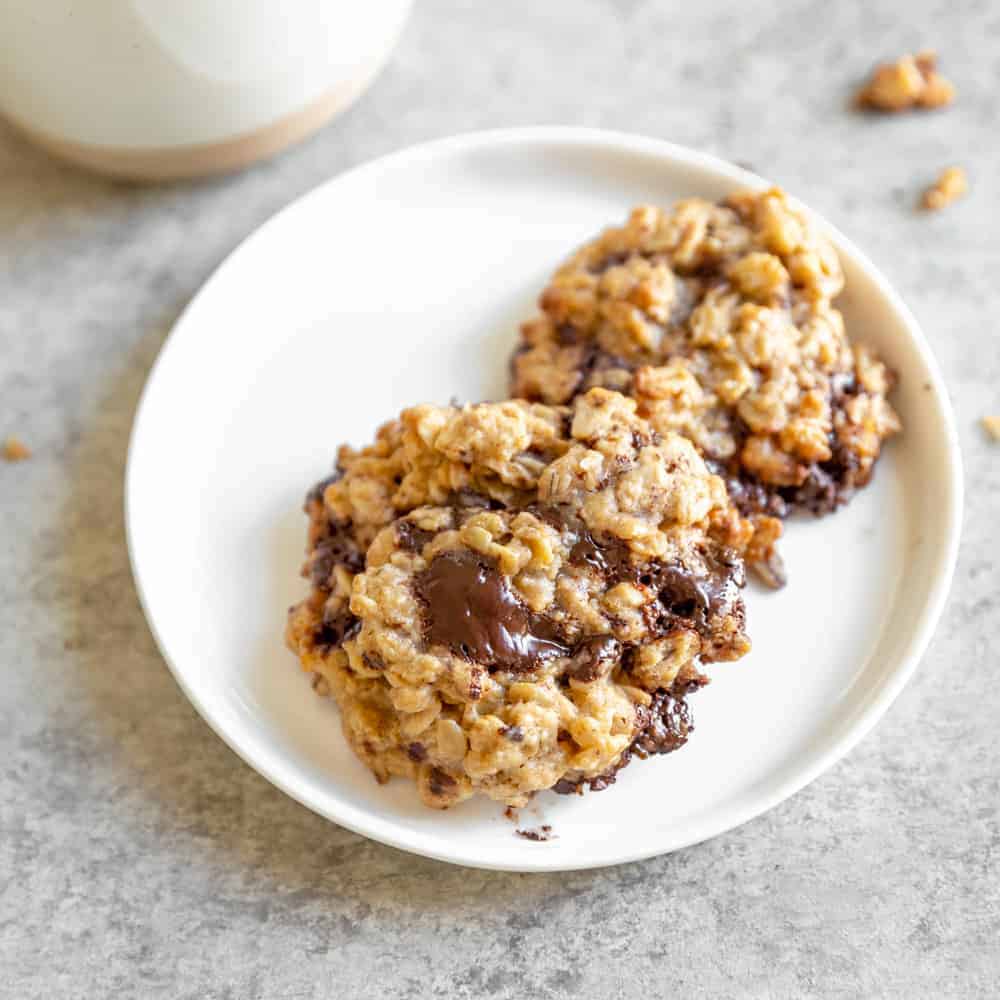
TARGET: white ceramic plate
(403,281)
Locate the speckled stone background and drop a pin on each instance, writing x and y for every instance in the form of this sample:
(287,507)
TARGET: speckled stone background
(140,858)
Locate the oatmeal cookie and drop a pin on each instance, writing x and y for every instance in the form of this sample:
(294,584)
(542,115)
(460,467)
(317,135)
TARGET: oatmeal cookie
(718,319)
(525,626)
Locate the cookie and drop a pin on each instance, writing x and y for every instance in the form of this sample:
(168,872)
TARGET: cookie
(718,319)
(539,615)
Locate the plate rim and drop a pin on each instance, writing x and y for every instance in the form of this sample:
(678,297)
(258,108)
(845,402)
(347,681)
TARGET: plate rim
(624,143)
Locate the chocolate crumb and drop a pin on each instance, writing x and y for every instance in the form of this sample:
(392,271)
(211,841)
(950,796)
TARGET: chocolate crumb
(537,834)
(566,787)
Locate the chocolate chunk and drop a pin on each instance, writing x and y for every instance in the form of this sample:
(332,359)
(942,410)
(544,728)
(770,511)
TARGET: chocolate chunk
(662,727)
(586,551)
(682,596)
(470,608)
(338,548)
(687,599)
(410,538)
(593,658)
(335,628)
(747,494)
(679,594)
(440,782)
(566,787)
(828,484)
(416,752)
(665,725)
(551,514)
(513,733)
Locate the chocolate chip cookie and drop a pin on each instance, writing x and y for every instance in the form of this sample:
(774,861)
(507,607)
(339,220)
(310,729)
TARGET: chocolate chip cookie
(511,597)
(718,319)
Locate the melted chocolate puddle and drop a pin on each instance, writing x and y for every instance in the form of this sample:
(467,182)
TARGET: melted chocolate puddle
(470,608)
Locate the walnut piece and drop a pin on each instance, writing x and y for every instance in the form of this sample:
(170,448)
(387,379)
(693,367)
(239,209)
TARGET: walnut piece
(950,185)
(15,450)
(910,82)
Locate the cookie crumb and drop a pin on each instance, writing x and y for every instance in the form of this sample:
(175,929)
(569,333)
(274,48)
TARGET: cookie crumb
(950,185)
(510,813)
(538,835)
(911,82)
(992,425)
(15,450)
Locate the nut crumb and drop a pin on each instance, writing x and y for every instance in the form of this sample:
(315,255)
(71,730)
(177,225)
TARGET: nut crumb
(910,82)
(950,185)
(539,835)
(15,450)
(992,425)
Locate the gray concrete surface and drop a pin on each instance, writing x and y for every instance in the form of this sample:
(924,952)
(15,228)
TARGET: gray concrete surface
(140,858)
